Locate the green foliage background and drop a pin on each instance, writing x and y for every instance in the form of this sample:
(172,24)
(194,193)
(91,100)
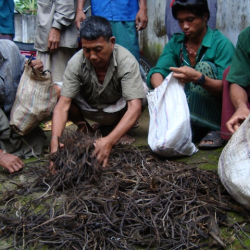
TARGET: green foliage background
(26,6)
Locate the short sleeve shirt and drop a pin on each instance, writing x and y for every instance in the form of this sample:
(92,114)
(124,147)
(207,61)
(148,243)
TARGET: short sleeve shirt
(215,48)
(239,72)
(123,79)
(115,10)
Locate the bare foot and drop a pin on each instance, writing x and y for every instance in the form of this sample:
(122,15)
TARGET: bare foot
(126,140)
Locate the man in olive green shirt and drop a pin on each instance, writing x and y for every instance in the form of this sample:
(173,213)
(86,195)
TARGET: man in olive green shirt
(239,77)
(103,81)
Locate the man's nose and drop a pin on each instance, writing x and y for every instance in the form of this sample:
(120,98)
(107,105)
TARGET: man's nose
(93,55)
(185,25)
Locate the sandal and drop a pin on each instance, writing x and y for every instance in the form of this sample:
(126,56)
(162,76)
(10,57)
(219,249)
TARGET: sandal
(136,125)
(215,138)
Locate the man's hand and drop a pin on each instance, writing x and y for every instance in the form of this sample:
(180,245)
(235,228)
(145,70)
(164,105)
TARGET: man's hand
(11,162)
(37,64)
(54,39)
(80,16)
(237,119)
(186,74)
(54,147)
(103,147)
(141,19)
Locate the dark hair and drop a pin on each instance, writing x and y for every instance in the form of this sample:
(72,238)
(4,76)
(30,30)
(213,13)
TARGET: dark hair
(197,7)
(95,27)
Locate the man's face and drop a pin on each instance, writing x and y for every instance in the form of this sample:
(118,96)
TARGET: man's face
(191,24)
(98,51)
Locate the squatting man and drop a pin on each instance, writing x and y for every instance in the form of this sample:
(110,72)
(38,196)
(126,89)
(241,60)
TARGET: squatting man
(102,82)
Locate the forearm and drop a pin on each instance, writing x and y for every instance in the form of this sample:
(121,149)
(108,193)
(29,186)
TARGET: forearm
(213,86)
(238,96)
(60,116)
(156,80)
(80,5)
(143,4)
(128,120)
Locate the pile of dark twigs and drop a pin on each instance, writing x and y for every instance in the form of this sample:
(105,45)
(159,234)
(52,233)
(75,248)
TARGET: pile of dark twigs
(138,201)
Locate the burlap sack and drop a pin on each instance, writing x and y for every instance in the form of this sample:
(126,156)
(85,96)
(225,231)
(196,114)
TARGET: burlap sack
(234,165)
(35,100)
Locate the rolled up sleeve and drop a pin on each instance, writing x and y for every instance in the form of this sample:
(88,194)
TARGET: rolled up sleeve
(64,13)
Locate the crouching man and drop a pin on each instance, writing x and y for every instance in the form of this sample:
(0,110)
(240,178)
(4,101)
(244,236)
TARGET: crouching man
(102,82)
(13,145)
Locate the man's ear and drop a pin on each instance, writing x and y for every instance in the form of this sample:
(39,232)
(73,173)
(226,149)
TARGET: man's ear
(206,17)
(112,40)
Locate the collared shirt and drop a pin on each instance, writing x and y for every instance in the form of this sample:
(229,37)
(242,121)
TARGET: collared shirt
(7,17)
(115,10)
(240,67)
(59,14)
(215,48)
(11,69)
(123,79)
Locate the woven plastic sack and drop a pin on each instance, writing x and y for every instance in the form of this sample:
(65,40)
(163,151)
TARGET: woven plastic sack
(170,132)
(35,100)
(234,165)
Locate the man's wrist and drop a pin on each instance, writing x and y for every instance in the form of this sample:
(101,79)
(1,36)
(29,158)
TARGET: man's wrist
(54,144)
(201,80)
(2,154)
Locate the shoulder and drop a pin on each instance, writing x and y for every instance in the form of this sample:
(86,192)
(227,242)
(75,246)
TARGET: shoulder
(245,35)
(8,46)
(179,36)
(124,59)
(220,41)
(176,41)
(218,36)
(76,61)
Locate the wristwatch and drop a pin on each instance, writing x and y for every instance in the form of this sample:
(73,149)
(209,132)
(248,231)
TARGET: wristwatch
(201,80)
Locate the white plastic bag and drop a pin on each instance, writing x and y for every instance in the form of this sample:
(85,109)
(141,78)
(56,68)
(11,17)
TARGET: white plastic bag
(234,165)
(170,132)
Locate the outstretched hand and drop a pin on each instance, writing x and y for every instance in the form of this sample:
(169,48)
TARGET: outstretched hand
(237,119)
(11,162)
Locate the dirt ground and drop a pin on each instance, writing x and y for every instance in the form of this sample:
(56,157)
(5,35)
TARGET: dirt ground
(206,159)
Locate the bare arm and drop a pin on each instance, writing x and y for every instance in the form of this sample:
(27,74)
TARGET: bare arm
(187,74)
(239,99)
(80,15)
(156,80)
(60,116)
(104,145)
(141,19)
